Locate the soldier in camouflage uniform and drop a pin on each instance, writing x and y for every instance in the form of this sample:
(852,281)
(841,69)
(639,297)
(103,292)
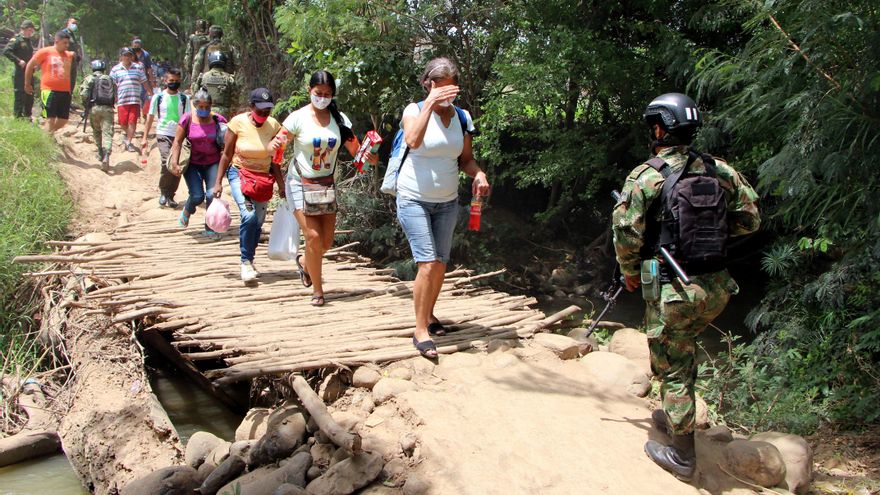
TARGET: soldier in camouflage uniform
(100,116)
(19,50)
(201,64)
(196,41)
(682,311)
(219,84)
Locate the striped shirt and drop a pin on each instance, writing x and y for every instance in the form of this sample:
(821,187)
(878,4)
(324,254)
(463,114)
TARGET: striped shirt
(129,83)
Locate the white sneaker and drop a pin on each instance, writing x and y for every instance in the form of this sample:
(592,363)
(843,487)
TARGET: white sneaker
(255,270)
(248,274)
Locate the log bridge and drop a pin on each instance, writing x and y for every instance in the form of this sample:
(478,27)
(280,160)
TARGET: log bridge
(185,292)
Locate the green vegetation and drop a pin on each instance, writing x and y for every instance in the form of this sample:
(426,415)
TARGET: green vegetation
(35,209)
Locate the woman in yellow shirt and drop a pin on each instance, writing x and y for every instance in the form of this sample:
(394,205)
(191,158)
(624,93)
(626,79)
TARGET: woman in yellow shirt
(248,149)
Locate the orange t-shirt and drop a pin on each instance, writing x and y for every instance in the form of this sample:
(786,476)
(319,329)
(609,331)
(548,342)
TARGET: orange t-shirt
(55,68)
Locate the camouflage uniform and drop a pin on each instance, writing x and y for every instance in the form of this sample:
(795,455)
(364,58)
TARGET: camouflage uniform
(101,118)
(683,311)
(222,88)
(196,42)
(200,64)
(20,49)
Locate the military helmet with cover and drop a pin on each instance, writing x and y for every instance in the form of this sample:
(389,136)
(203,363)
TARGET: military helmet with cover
(201,25)
(217,59)
(676,113)
(215,31)
(98,65)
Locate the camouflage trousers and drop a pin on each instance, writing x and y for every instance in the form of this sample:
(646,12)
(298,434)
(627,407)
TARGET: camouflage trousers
(673,324)
(101,119)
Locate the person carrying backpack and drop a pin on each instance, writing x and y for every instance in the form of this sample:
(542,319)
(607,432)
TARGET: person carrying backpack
(689,204)
(166,108)
(439,147)
(204,131)
(214,44)
(98,93)
(219,84)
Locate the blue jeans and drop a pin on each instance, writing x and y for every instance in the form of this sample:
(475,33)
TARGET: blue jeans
(428,227)
(200,183)
(253,213)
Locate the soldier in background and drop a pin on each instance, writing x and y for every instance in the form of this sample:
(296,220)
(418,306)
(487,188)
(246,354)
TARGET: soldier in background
(98,94)
(219,84)
(678,312)
(76,48)
(19,50)
(215,44)
(196,41)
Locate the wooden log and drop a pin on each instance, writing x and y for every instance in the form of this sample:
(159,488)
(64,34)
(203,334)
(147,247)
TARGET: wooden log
(351,442)
(39,437)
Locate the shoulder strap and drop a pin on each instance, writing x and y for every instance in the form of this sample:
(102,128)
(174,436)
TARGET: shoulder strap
(462,119)
(185,123)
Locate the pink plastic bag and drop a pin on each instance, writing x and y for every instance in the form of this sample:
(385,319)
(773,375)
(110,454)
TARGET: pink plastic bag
(217,217)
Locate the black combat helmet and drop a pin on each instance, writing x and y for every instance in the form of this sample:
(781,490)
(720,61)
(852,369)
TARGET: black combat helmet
(217,59)
(202,25)
(676,113)
(98,65)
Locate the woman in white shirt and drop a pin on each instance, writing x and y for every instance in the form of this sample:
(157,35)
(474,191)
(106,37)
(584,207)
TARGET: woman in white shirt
(439,141)
(317,130)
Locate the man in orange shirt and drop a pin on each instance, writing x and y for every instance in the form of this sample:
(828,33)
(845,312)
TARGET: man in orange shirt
(56,63)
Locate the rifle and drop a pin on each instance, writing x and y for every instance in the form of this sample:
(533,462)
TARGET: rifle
(610,296)
(679,271)
(87,110)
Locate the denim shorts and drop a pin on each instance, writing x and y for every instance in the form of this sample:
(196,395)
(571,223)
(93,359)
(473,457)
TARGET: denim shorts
(428,227)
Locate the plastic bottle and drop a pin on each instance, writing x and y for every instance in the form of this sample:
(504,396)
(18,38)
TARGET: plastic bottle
(476,213)
(279,153)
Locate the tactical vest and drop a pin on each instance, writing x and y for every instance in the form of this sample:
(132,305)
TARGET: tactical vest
(217,46)
(216,83)
(692,212)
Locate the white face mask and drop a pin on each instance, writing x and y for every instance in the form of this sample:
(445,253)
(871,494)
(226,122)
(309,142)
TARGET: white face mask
(320,102)
(445,103)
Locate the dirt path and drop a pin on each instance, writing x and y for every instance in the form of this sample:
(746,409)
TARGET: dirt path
(511,422)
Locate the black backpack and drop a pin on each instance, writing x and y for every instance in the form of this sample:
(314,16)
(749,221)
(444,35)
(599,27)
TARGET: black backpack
(693,215)
(103,91)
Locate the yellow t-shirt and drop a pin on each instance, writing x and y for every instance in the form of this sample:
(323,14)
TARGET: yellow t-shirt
(252,147)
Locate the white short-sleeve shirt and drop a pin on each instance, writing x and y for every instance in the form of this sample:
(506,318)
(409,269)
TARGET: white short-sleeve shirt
(430,172)
(314,146)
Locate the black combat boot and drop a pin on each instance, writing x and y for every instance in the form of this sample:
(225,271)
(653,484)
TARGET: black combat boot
(679,458)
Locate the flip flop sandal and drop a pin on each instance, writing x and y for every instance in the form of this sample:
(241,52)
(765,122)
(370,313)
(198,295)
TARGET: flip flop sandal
(317,301)
(437,329)
(183,219)
(303,276)
(426,348)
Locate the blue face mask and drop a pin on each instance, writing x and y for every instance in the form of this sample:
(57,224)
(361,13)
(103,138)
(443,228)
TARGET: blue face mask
(203,112)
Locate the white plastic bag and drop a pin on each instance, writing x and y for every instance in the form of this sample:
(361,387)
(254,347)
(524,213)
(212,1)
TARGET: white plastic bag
(284,236)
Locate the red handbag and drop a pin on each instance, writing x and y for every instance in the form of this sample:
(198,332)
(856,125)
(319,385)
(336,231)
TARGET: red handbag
(258,186)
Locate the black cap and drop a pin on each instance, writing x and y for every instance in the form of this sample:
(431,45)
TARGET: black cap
(262,98)
(28,24)
(126,51)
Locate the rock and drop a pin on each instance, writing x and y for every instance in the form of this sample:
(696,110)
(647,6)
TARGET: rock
(415,485)
(383,442)
(218,455)
(174,480)
(633,345)
(313,473)
(225,472)
(332,388)
(267,479)
(338,456)
(500,345)
(285,432)
(200,446)
(459,360)
(758,462)
(701,416)
(408,443)
(365,377)
(420,366)
(504,360)
(719,433)
(582,290)
(798,458)
(394,471)
(347,476)
(288,489)
(559,294)
(401,373)
(562,277)
(242,448)
(586,344)
(350,420)
(564,347)
(617,371)
(387,388)
(253,426)
(205,470)
(322,453)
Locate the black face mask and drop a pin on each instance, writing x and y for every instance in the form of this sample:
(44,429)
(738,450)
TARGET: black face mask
(174,85)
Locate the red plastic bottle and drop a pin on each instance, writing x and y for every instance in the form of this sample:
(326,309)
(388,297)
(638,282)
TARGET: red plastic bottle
(279,153)
(476,213)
